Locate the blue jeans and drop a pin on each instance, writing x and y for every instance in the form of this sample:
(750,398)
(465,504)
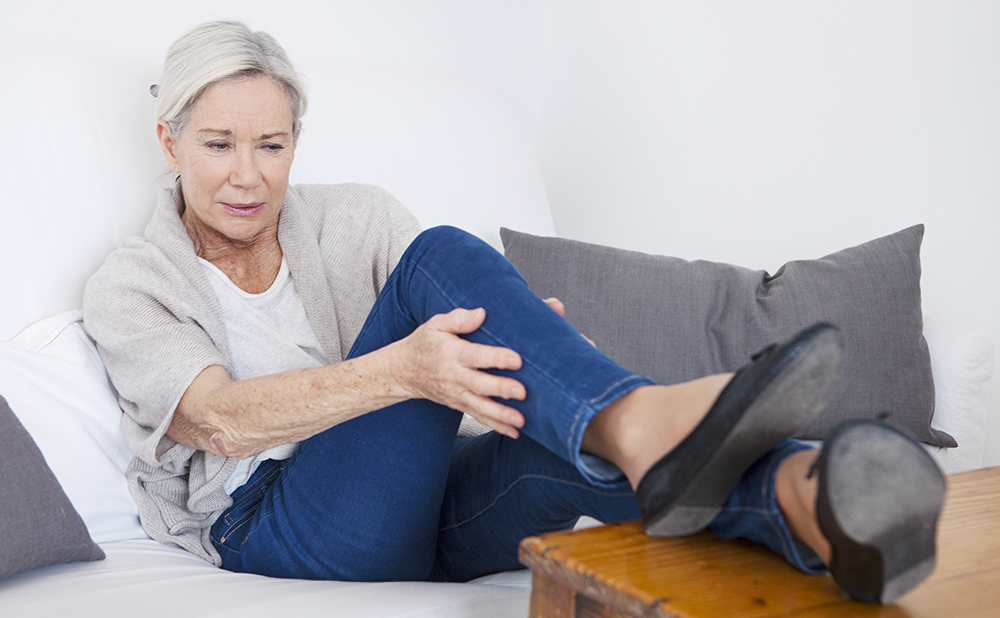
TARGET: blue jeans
(393,495)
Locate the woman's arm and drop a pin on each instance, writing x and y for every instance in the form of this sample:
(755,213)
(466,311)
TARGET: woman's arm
(243,418)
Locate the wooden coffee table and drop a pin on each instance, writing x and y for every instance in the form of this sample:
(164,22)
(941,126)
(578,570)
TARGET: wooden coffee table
(617,571)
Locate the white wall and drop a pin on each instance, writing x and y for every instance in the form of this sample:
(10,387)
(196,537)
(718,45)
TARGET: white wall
(497,44)
(760,132)
(746,132)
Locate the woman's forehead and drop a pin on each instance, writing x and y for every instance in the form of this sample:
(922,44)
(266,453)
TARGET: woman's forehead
(257,105)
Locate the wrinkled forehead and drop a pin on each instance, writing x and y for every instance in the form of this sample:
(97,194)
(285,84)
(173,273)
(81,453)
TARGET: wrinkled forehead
(256,106)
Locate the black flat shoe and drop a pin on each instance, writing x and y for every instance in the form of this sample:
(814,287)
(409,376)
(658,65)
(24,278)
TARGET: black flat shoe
(779,393)
(880,495)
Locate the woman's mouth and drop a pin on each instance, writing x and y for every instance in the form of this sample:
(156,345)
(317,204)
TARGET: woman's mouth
(244,210)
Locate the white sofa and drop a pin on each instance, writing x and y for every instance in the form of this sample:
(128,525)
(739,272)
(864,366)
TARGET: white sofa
(83,177)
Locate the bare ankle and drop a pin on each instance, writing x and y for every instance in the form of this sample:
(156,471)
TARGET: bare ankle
(638,429)
(796,493)
(612,434)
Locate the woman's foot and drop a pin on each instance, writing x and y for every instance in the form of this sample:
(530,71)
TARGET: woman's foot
(868,505)
(636,430)
(779,393)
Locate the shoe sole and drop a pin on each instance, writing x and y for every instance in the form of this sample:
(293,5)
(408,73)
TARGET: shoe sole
(787,404)
(884,495)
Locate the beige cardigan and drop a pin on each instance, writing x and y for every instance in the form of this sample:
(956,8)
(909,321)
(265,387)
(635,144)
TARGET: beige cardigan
(157,324)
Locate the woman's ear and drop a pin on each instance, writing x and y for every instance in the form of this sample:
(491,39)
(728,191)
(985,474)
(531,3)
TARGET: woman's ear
(169,145)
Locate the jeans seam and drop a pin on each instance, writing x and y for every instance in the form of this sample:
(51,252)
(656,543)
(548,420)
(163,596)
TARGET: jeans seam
(487,331)
(584,403)
(378,302)
(769,512)
(515,482)
(259,480)
(590,404)
(234,525)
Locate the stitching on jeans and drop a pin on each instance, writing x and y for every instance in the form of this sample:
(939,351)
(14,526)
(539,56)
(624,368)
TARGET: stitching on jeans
(276,469)
(242,521)
(246,496)
(487,331)
(378,302)
(243,518)
(523,477)
(248,493)
(744,509)
(591,404)
(774,515)
(583,403)
(772,468)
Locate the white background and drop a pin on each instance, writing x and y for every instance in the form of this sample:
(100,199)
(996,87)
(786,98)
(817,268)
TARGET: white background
(747,132)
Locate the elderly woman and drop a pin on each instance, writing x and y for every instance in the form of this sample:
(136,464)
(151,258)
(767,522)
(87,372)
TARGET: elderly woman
(293,363)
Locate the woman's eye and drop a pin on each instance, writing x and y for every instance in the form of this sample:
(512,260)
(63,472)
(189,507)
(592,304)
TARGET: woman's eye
(218,146)
(272,147)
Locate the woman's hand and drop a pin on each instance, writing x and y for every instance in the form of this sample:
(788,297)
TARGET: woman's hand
(557,305)
(250,416)
(439,365)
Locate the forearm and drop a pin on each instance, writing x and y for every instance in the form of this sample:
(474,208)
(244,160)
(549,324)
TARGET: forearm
(243,418)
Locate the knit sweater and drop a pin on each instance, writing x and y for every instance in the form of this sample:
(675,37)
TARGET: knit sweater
(157,323)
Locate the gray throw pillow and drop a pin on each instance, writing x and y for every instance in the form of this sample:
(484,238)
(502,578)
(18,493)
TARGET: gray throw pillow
(675,320)
(38,524)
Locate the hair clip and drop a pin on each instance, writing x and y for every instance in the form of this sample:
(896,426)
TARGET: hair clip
(154,90)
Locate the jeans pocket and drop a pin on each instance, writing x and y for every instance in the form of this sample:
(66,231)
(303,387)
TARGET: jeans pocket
(232,527)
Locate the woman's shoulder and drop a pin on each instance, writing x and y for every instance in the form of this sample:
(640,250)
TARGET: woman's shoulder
(138,272)
(351,204)
(341,192)
(134,256)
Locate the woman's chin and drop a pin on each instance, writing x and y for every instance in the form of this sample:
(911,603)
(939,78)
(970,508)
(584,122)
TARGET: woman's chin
(244,233)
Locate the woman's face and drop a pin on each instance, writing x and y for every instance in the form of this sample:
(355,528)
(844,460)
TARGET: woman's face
(233,157)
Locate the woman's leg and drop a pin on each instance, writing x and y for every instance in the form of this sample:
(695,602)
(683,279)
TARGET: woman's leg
(362,500)
(501,491)
(755,510)
(358,502)
(567,380)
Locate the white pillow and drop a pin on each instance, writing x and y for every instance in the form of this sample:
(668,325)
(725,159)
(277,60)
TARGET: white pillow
(54,381)
(962,363)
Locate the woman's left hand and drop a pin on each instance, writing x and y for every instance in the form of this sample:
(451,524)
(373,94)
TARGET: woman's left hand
(557,305)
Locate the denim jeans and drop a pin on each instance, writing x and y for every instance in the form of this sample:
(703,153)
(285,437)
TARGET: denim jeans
(393,495)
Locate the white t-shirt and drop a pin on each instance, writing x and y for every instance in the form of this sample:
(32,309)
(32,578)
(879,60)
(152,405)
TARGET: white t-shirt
(268,333)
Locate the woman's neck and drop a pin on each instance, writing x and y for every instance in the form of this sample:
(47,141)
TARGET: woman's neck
(252,264)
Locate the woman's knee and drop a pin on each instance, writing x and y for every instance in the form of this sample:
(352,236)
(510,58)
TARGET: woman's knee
(445,242)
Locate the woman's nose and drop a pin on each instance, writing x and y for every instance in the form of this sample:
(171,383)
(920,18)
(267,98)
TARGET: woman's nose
(244,173)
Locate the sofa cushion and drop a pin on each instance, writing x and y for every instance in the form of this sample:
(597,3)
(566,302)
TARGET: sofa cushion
(38,525)
(675,320)
(53,379)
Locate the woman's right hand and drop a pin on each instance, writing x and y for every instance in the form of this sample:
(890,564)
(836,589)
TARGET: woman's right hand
(246,417)
(436,364)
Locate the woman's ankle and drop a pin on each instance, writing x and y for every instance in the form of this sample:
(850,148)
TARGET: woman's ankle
(637,430)
(796,492)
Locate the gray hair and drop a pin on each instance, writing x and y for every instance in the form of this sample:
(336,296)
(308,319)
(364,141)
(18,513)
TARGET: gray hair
(217,51)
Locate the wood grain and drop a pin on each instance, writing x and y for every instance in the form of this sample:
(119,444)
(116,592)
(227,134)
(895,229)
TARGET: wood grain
(618,570)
